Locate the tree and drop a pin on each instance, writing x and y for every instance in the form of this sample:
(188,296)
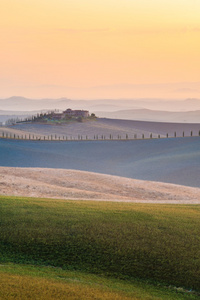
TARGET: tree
(80,119)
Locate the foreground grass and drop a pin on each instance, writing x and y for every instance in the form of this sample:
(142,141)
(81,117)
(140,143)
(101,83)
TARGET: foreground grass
(152,243)
(31,282)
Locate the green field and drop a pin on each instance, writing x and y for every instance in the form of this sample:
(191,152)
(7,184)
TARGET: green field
(103,250)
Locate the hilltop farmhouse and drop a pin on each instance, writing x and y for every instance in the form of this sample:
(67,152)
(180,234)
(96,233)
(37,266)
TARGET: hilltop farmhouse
(76,113)
(71,113)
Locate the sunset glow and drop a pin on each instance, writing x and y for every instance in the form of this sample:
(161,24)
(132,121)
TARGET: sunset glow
(57,48)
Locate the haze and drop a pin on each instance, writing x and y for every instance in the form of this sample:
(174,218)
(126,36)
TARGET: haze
(94,49)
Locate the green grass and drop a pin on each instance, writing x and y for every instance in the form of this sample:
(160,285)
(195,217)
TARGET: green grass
(152,244)
(39,282)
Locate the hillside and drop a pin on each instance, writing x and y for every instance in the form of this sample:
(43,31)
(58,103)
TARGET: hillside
(173,160)
(98,250)
(107,127)
(65,184)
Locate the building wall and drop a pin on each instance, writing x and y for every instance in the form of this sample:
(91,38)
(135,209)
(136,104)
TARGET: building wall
(76,113)
(58,116)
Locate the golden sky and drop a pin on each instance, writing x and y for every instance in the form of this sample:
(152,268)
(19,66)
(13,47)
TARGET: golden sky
(83,48)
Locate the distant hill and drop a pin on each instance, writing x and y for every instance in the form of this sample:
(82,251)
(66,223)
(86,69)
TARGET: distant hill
(107,105)
(5,115)
(152,115)
(25,104)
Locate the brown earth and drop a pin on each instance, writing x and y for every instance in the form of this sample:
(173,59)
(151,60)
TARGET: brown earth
(79,185)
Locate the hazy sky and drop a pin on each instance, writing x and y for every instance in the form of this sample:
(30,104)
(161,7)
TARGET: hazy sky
(73,48)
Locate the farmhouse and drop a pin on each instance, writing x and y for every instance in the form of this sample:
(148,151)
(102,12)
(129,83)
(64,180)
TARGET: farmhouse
(58,116)
(76,113)
(71,113)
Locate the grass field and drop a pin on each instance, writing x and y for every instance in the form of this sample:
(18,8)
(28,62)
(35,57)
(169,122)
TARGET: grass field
(39,282)
(114,249)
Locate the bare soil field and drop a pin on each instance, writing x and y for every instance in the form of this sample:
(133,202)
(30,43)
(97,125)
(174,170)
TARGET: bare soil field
(80,185)
(106,127)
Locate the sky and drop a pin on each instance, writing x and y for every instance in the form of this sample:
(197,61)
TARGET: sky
(91,49)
